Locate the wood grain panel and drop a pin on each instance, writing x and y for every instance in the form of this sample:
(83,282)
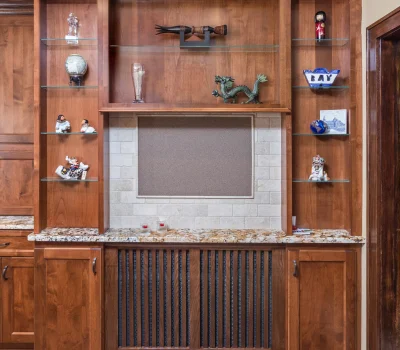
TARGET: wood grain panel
(18,300)
(166,79)
(16,187)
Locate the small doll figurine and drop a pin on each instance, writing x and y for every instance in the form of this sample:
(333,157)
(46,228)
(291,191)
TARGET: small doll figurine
(62,125)
(317,170)
(86,128)
(75,170)
(320,19)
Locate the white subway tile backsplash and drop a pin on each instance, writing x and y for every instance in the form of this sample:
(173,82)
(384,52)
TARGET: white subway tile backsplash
(220,210)
(262,211)
(268,185)
(232,222)
(268,160)
(145,209)
(121,209)
(128,172)
(169,209)
(128,147)
(194,210)
(245,210)
(269,210)
(257,223)
(206,222)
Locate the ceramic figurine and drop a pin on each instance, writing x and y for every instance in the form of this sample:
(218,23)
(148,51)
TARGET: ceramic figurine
(86,128)
(318,127)
(317,170)
(62,125)
(74,172)
(228,92)
(73,25)
(137,76)
(320,77)
(320,19)
(76,67)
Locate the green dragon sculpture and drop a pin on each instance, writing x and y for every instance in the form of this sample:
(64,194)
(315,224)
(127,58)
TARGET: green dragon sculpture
(228,92)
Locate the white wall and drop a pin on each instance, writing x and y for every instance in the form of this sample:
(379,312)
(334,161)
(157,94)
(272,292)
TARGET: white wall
(262,211)
(373,10)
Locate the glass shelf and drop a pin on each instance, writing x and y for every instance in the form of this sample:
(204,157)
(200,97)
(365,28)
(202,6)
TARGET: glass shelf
(309,134)
(322,42)
(63,42)
(321,182)
(49,87)
(334,87)
(211,48)
(59,179)
(68,133)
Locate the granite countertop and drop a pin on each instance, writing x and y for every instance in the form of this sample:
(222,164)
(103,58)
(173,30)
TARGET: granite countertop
(193,236)
(16,222)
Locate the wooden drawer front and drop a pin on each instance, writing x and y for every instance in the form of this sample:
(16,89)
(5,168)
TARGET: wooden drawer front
(8,244)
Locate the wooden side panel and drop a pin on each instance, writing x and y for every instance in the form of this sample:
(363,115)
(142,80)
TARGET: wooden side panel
(18,300)
(323,300)
(16,115)
(65,322)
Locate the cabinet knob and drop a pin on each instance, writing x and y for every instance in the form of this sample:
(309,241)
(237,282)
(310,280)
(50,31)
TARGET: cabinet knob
(4,273)
(2,245)
(94,266)
(296,269)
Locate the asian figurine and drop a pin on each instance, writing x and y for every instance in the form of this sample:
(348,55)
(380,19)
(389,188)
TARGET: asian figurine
(317,170)
(228,92)
(86,128)
(62,125)
(74,172)
(320,19)
(318,127)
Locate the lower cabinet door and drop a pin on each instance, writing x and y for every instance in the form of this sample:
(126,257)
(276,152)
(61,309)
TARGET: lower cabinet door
(17,292)
(68,299)
(322,299)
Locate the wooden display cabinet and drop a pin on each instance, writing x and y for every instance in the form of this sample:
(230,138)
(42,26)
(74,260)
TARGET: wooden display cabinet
(60,203)
(323,299)
(68,297)
(336,204)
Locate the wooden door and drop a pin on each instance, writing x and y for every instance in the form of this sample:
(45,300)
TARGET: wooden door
(322,304)
(17,299)
(68,299)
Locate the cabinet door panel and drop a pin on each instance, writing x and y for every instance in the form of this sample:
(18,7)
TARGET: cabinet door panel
(18,300)
(69,299)
(322,300)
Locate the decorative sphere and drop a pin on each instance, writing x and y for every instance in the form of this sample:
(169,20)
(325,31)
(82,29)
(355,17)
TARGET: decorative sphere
(76,65)
(318,126)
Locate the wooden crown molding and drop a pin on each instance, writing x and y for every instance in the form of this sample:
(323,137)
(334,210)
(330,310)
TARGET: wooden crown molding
(16,7)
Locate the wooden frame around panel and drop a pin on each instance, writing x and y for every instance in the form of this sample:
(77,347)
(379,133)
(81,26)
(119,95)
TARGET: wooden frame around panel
(382,241)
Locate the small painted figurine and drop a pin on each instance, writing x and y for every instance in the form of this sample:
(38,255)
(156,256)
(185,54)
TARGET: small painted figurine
(86,128)
(317,170)
(320,19)
(74,172)
(228,92)
(62,125)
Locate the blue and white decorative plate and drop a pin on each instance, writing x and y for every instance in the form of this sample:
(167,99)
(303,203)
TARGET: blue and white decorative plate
(320,78)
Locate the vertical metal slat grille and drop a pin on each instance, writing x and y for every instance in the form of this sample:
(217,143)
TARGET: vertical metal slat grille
(149,281)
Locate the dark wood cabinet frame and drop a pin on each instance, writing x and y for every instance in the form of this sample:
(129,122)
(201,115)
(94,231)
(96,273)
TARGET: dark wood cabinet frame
(383,303)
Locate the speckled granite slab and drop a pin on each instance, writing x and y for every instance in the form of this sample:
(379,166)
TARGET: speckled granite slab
(193,236)
(16,222)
